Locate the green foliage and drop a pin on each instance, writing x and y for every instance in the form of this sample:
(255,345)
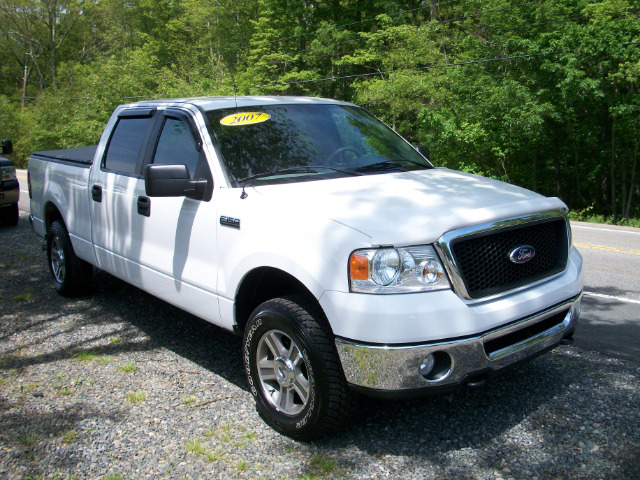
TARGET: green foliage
(541,94)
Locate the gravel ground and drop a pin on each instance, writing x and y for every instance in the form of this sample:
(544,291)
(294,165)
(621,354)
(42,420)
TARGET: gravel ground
(119,385)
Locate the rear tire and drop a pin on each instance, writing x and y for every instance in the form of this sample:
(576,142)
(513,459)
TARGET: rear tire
(293,370)
(9,215)
(71,276)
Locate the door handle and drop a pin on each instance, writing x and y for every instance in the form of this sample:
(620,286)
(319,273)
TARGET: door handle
(96,193)
(144,206)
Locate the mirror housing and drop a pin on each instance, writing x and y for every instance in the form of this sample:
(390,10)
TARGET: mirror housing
(172,181)
(7,147)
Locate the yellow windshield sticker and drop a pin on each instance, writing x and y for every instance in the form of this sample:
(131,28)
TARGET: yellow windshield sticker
(244,118)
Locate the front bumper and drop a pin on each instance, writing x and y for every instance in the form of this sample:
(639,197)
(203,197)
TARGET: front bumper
(390,368)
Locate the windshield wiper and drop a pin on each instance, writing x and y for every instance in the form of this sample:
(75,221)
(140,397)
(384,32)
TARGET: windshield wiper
(340,170)
(388,165)
(294,171)
(283,171)
(380,167)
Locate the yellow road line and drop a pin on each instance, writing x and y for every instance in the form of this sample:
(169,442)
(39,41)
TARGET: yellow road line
(609,249)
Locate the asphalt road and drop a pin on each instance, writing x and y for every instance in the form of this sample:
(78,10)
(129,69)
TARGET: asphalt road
(610,321)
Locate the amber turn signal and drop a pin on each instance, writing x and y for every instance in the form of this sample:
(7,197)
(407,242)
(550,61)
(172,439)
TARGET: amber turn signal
(359,267)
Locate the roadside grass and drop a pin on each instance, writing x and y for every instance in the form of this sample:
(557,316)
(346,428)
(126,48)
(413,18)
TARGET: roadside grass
(30,387)
(214,456)
(323,463)
(28,439)
(69,436)
(135,397)
(65,391)
(93,354)
(195,446)
(61,387)
(128,368)
(201,446)
(25,297)
(585,215)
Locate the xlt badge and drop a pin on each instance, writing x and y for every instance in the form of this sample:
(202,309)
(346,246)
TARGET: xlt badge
(230,222)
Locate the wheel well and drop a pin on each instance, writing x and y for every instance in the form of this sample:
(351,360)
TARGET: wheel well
(263,284)
(51,214)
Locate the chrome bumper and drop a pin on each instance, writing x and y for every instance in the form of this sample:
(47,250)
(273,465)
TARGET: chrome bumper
(397,368)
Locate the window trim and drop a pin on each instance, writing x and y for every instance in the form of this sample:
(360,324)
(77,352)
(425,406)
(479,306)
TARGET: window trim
(132,113)
(158,131)
(154,139)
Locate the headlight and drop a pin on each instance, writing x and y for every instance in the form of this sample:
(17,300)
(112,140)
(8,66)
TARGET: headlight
(396,270)
(8,173)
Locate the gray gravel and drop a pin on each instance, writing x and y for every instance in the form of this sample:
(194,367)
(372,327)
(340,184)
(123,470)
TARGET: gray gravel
(119,385)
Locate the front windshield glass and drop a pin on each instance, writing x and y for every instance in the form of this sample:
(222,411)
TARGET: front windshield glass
(292,143)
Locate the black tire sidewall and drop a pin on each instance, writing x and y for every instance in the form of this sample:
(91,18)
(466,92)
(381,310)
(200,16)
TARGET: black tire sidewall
(276,316)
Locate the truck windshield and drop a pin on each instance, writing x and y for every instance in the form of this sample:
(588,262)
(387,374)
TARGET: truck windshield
(292,143)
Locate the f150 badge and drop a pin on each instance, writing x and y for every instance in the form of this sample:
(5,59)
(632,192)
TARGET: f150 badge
(230,222)
(522,254)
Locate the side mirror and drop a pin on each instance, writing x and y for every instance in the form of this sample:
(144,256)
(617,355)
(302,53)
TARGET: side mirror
(423,150)
(172,181)
(7,147)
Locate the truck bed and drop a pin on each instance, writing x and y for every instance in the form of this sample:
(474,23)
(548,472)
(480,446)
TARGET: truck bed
(81,155)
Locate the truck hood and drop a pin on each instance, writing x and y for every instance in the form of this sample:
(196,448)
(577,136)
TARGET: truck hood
(409,208)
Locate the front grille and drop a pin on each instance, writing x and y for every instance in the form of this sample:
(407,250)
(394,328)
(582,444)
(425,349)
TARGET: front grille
(484,264)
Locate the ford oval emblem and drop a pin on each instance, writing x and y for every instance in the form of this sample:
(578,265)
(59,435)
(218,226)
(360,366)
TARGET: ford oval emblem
(522,254)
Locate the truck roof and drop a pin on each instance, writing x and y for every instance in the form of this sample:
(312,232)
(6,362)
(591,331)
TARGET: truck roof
(217,103)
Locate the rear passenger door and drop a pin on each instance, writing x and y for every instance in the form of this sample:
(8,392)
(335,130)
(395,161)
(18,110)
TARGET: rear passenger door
(115,184)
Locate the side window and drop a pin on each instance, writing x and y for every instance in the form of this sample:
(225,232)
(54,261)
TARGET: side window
(177,145)
(124,146)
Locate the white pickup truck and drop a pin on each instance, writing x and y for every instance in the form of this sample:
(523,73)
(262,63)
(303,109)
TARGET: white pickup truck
(348,262)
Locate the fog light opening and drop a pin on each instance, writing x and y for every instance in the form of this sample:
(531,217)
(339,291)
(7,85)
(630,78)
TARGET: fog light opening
(427,365)
(435,366)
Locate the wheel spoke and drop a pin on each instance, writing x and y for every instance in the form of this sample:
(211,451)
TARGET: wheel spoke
(301,386)
(266,370)
(285,402)
(274,342)
(295,355)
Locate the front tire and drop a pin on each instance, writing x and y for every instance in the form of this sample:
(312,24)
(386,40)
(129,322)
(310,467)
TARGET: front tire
(293,370)
(71,275)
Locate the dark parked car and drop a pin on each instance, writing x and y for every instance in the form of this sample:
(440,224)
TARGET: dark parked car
(9,188)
